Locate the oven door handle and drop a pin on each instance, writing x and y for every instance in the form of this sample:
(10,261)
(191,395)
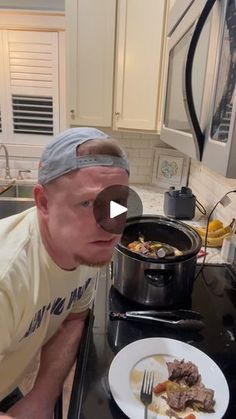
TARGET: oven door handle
(198,135)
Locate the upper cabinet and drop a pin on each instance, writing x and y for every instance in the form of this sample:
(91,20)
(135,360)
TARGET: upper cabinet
(140,37)
(114,62)
(90,39)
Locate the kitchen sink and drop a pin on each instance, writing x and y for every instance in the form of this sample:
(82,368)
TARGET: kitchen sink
(18,191)
(15,199)
(13,205)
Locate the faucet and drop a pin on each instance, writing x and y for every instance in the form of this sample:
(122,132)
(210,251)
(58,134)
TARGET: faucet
(20,177)
(7,169)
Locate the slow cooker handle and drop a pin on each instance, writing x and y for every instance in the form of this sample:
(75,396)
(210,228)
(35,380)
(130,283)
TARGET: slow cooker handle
(159,277)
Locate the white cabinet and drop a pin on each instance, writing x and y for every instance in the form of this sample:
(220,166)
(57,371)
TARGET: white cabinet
(28,86)
(140,40)
(114,62)
(90,39)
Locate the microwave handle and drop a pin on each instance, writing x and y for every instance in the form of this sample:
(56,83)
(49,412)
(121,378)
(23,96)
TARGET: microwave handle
(198,135)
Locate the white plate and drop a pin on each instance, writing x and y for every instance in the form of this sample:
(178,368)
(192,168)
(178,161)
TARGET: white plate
(126,371)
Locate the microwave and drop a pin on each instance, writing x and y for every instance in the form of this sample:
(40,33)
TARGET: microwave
(198,110)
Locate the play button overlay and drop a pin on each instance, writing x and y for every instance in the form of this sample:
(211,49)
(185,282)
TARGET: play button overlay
(116,209)
(114,205)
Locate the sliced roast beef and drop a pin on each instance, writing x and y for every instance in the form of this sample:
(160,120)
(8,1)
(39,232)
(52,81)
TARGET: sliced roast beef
(180,398)
(185,372)
(177,399)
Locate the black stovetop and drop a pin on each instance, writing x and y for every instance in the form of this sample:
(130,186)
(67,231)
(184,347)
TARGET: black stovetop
(214,296)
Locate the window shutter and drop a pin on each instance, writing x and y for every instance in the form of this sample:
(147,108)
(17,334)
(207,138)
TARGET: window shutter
(32,114)
(33,80)
(2,92)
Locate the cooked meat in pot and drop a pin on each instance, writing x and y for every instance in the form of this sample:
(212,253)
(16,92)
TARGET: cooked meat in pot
(152,248)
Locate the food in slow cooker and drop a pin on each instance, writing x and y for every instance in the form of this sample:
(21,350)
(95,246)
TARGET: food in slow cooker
(153,248)
(184,388)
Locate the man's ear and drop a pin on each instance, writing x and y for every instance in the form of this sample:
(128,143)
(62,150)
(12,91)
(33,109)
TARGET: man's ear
(41,200)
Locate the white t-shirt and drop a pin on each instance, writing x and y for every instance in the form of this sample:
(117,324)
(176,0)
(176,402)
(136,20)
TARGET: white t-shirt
(35,296)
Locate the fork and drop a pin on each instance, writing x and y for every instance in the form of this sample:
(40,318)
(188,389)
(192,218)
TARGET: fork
(146,391)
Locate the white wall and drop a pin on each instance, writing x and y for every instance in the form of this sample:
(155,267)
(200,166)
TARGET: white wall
(33,4)
(209,187)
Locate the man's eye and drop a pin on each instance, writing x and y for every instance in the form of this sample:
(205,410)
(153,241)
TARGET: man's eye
(86,204)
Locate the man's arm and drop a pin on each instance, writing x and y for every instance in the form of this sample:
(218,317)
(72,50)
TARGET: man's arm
(57,358)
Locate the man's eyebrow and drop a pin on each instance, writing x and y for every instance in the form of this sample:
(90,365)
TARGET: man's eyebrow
(86,195)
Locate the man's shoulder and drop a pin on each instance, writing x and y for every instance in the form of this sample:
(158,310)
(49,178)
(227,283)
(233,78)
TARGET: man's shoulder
(15,234)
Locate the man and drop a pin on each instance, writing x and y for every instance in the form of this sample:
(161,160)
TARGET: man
(49,260)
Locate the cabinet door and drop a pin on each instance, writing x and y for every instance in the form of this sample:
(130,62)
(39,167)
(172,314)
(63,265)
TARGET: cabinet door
(90,31)
(140,36)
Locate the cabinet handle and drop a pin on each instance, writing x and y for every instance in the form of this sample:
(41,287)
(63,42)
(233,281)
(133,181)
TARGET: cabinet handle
(72,113)
(117,113)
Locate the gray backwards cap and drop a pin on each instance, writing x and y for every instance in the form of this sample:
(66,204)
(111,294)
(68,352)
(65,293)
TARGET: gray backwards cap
(59,157)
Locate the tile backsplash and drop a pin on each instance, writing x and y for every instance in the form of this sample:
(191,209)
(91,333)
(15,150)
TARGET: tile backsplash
(140,151)
(139,148)
(209,187)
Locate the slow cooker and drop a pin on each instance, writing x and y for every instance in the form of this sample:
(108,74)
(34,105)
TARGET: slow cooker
(156,281)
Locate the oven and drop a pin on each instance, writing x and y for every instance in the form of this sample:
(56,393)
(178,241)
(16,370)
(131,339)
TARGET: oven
(199,97)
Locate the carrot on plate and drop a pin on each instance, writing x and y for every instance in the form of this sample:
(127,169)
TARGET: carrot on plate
(159,388)
(191,416)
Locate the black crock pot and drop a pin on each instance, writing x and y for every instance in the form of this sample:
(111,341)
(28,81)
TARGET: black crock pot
(159,282)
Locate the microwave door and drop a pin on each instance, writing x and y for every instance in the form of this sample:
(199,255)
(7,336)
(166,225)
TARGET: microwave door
(197,132)
(220,145)
(175,127)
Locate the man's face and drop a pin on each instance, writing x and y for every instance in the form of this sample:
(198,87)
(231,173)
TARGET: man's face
(71,227)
